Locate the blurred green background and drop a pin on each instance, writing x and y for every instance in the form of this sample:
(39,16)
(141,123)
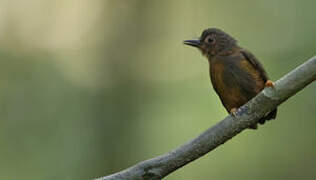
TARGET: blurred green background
(88,88)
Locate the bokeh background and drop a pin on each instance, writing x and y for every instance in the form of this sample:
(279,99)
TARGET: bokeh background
(88,88)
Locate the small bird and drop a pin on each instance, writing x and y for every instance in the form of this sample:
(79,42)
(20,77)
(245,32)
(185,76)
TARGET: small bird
(236,75)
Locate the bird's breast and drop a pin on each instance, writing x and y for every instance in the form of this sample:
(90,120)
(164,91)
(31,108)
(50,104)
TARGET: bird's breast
(224,81)
(234,80)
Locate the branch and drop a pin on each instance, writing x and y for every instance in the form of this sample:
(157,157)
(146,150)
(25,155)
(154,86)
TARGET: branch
(249,114)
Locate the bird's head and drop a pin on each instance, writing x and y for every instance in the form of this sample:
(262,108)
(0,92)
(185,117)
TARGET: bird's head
(213,41)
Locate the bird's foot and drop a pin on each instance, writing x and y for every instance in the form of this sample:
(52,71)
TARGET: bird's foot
(269,83)
(233,111)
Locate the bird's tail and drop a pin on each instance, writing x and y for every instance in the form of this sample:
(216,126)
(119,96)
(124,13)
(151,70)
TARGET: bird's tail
(271,115)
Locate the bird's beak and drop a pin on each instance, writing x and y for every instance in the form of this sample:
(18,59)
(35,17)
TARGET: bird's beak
(195,43)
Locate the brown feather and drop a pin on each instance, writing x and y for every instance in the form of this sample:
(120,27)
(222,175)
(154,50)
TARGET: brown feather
(236,75)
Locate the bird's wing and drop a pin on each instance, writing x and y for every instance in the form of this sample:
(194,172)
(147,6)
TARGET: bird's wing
(257,65)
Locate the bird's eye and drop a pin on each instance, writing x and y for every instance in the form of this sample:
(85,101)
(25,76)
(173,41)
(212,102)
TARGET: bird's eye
(210,40)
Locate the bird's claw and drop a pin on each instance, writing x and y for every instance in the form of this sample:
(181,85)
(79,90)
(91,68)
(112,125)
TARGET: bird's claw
(233,112)
(269,83)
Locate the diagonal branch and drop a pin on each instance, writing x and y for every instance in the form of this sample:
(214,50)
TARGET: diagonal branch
(249,114)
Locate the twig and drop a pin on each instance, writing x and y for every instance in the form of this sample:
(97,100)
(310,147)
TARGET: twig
(249,114)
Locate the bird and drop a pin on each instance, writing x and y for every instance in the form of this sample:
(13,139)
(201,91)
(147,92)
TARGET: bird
(236,74)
